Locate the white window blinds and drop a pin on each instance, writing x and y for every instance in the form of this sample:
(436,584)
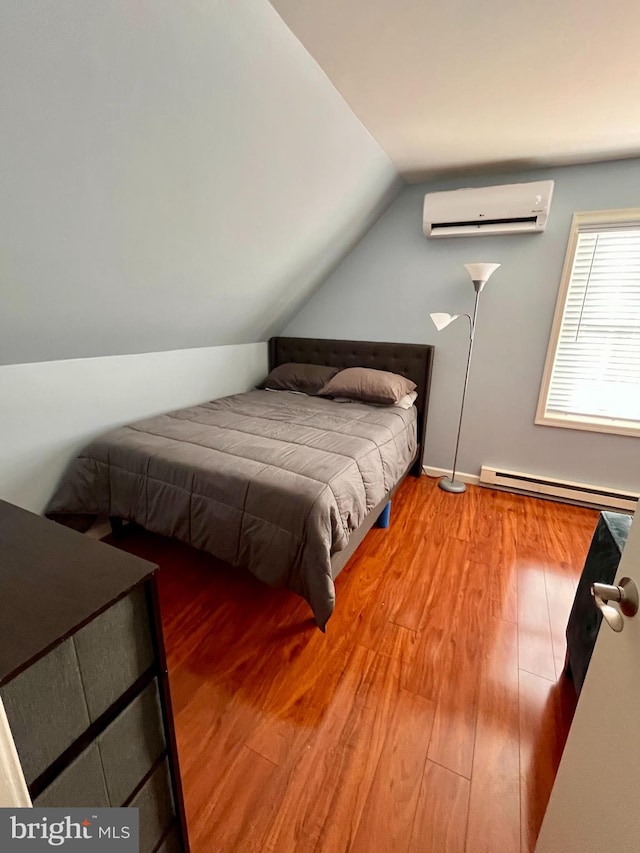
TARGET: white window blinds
(596,368)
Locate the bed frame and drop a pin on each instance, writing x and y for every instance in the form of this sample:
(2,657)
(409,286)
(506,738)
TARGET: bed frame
(411,360)
(414,361)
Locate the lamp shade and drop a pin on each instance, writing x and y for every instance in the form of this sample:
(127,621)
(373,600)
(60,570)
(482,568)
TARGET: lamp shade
(481,271)
(441,321)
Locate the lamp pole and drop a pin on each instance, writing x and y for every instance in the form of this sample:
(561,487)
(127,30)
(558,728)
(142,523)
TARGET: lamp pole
(480,274)
(450,484)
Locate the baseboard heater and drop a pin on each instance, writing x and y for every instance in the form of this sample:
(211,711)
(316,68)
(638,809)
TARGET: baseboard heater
(559,490)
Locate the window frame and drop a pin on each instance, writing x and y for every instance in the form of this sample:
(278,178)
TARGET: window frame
(592,218)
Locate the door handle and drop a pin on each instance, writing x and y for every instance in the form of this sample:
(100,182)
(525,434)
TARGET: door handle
(625,595)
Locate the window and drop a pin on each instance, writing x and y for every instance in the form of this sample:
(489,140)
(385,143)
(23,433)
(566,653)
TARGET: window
(592,374)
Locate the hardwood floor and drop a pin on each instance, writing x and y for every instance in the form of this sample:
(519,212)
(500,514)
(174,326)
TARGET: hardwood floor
(429,719)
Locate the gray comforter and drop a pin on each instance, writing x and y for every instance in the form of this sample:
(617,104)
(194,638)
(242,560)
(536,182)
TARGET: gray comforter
(271,481)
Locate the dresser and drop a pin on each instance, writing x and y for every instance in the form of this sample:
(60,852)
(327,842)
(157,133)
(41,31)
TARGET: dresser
(83,676)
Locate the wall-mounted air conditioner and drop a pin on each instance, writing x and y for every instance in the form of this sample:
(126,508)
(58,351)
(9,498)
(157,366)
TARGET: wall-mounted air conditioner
(505,209)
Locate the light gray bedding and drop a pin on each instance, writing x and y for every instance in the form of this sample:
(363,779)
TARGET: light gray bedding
(274,482)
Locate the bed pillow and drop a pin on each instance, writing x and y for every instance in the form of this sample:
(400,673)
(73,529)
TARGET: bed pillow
(405,403)
(307,378)
(368,385)
(408,400)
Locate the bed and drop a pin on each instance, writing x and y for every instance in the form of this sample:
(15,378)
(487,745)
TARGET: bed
(282,484)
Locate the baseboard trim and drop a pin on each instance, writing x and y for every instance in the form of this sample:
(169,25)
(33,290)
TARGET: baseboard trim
(473,479)
(555,489)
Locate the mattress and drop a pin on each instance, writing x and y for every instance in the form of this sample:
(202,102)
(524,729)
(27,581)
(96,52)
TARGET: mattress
(274,482)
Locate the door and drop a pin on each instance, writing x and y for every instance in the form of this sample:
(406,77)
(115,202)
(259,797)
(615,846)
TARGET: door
(595,802)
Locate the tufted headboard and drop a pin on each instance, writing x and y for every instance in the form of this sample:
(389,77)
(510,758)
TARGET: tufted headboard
(411,360)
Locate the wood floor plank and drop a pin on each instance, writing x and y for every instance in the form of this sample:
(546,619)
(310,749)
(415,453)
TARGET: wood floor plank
(504,569)
(535,648)
(546,710)
(292,740)
(401,578)
(421,585)
(560,592)
(353,768)
(434,574)
(228,816)
(375,619)
(564,535)
(441,816)
(482,544)
(436,611)
(297,699)
(465,510)
(325,789)
(454,725)
(395,641)
(495,774)
(385,826)
(453,515)
(565,556)
(494,545)
(301,790)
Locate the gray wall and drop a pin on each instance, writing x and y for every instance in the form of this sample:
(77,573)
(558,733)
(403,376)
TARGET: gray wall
(388,285)
(52,409)
(173,174)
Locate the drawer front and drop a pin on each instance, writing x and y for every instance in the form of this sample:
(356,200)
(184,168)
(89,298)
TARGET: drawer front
(80,784)
(155,802)
(114,650)
(131,743)
(172,843)
(46,709)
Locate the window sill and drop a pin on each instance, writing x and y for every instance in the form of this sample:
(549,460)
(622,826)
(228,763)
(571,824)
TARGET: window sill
(610,427)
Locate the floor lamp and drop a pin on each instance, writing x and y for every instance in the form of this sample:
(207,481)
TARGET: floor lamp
(480,274)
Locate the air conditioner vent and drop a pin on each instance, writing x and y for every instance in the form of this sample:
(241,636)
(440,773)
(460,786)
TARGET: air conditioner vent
(504,209)
(480,222)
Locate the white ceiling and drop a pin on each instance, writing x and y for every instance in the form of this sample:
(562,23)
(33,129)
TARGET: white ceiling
(452,85)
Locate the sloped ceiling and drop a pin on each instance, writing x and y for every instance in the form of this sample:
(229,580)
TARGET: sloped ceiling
(460,85)
(175,174)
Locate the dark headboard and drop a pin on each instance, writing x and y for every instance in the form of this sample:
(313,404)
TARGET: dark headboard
(411,360)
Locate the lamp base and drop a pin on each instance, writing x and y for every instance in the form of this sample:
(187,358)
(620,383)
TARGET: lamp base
(449,485)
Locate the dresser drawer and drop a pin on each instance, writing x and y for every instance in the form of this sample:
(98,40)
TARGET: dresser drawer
(114,650)
(46,709)
(172,843)
(79,784)
(131,743)
(156,808)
